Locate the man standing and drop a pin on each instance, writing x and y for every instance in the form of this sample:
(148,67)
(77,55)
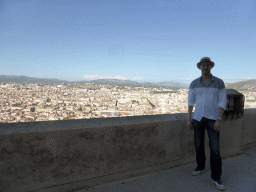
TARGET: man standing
(208,94)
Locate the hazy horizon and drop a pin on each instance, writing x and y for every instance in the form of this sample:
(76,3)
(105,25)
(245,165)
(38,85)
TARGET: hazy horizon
(183,81)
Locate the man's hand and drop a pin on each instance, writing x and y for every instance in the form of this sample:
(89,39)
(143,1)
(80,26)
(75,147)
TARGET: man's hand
(217,125)
(189,123)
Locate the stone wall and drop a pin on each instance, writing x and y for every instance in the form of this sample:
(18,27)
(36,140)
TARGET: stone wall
(75,154)
(248,138)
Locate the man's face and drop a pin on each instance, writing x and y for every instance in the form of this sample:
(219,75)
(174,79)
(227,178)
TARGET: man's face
(205,68)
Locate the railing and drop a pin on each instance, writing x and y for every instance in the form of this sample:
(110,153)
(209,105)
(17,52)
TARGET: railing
(75,154)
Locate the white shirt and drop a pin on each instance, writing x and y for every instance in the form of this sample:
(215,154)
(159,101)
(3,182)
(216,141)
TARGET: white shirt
(207,99)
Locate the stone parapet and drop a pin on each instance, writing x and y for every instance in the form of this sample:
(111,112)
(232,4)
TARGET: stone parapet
(75,154)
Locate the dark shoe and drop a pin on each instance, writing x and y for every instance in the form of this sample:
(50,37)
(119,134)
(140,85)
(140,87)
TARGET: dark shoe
(218,184)
(197,172)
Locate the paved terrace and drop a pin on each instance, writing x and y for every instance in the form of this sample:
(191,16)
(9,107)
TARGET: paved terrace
(146,153)
(239,175)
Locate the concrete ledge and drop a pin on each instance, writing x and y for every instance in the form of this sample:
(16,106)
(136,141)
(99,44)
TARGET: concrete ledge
(250,111)
(9,128)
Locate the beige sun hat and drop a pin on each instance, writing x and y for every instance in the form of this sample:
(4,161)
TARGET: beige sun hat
(205,59)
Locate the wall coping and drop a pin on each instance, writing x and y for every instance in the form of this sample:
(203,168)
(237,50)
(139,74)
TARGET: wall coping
(39,126)
(9,128)
(249,111)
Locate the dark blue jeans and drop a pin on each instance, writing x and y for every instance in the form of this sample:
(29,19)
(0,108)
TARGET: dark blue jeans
(214,137)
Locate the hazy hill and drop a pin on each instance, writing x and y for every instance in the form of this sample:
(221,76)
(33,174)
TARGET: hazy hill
(169,84)
(239,86)
(249,85)
(24,79)
(110,82)
(173,84)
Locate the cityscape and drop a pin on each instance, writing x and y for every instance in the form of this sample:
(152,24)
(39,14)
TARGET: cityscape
(50,102)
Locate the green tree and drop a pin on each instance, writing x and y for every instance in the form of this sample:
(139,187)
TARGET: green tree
(32,109)
(151,103)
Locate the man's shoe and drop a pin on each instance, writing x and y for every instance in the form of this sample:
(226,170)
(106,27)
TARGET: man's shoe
(218,184)
(197,172)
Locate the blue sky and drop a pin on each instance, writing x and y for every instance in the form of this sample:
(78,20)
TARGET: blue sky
(150,40)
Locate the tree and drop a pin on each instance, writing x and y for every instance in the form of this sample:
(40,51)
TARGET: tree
(153,106)
(32,109)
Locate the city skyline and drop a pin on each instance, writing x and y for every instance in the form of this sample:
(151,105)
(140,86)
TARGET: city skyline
(47,102)
(142,41)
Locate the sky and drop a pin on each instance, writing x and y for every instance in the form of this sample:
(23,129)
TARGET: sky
(138,40)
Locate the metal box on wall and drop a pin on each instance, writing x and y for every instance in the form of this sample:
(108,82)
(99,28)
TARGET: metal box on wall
(235,104)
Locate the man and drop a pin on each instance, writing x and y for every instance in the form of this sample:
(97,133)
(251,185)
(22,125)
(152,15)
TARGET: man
(208,94)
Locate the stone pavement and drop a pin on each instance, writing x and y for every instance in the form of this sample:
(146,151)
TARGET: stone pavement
(238,175)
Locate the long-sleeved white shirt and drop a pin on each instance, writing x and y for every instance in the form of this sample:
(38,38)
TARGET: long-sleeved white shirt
(207,99)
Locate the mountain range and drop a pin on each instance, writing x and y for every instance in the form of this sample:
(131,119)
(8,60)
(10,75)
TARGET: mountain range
(249,85)
(25,79)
